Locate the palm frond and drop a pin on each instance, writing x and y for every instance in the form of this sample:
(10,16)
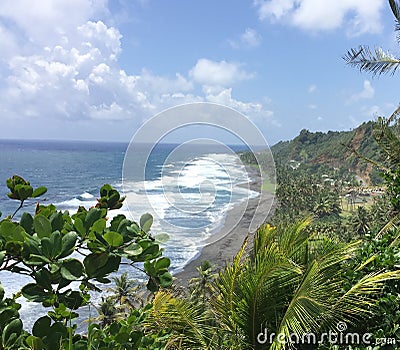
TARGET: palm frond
(374,61)
(360,299)
(293,240)
(264,287)
(226,284)
(186,322)
(319,299)
(310,304)
(392,223)
(394,117)
(388,140)
(395,7)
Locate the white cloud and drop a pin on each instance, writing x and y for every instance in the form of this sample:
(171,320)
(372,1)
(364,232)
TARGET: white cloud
(221,73)
(312,88)
(372,112)
(164,85)
(60,62)
(274,8)
(366,93)
(248,39)
(255,111)
(52,20)
(312,106)
(316,15)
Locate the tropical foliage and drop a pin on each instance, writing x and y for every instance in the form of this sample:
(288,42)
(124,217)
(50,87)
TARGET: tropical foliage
(46,247)
(290,282)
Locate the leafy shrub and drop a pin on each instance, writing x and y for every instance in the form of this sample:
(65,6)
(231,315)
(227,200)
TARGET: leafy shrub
(55,249)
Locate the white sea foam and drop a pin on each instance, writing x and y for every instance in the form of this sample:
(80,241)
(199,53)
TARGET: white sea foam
(86,195)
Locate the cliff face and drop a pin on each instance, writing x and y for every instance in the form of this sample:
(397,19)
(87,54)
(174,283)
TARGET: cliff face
(331,149)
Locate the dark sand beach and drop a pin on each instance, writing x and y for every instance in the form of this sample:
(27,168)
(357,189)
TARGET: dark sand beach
(241,220)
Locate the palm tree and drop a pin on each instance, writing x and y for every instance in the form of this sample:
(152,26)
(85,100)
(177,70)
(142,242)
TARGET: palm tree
(291,283)
(360,221)
(107,311)
(376,61)
(202,287)
(126,292)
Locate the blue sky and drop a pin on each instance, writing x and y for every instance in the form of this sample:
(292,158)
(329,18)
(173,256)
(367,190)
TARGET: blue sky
(97,69)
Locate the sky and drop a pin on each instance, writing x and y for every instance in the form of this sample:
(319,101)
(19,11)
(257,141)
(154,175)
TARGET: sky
(98,69)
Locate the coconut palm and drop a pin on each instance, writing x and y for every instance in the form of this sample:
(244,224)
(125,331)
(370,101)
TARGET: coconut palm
(202,287)
(360,221)
(377,61)
(291,282)
(107,311)
(126,292)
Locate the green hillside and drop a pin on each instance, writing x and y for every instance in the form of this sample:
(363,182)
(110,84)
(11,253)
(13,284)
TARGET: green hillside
(319,151)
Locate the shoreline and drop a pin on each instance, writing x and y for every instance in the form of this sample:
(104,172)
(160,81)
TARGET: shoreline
(242,220)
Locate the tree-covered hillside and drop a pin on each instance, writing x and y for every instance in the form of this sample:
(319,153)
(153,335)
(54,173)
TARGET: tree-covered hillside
(321,151)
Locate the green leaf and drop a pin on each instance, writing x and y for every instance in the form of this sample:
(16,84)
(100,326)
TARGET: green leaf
(152,285)
(43,279)
(162,263)
(33,292)
(39,192)
(6,315)
(35,342)
(99,265)
(23,191)
(133,249)
(42,226)
(166,279)
(71,269)
(78,225)
(31,246)
(72,299)
(93,262)
(116,221)
(2,256)
(122,337)
(133,229)
(56,243)
(57,221)
(54,335)
(105,189)
(11,231)
(46,247)
(68,244)
(14,327)
(99,226)
(149,268)
(114,239)
(27,222)
(81,345)
(13,248)
(146,220)
(1,292)
(161,238)
(92,216)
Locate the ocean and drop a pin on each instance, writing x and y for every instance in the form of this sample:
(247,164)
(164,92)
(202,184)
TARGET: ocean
(188,190)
